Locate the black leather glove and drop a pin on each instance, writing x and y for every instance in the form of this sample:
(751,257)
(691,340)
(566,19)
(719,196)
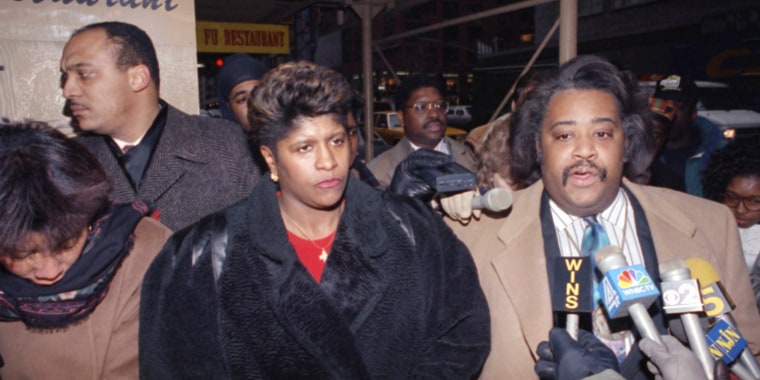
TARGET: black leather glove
(416,175)
(562,358)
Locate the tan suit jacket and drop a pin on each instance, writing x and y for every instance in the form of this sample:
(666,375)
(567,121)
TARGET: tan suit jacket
(384,165)
(508,253)
(102,346)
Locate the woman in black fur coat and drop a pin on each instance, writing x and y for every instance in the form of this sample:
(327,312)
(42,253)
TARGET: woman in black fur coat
(315,275)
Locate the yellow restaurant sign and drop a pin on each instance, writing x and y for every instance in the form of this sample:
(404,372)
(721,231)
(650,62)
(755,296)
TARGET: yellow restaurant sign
(226,37)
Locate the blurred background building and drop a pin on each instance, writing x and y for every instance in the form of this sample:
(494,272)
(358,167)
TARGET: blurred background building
(480,59)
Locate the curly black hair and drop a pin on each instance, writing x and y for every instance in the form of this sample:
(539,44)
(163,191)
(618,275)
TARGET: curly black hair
(293,91)
(413,83)
(740,158)
(585,72)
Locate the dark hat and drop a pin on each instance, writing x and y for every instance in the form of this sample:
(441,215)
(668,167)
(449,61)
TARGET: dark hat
(235,69)
(676,87)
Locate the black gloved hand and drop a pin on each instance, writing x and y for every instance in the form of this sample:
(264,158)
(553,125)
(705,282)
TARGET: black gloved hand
(562,358)
(415,176)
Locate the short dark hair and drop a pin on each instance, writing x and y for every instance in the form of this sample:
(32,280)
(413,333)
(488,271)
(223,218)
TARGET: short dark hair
(134,46)
(49,184)
(739,158)
(412,83)
(586,72)
(292,91)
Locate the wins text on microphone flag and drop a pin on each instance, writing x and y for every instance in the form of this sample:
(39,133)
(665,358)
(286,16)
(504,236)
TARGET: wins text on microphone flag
(573,285)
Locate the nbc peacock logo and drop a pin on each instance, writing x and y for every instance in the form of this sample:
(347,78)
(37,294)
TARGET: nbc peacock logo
(631,277)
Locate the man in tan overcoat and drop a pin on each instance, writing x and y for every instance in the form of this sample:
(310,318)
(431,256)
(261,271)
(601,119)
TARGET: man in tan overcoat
(570,142)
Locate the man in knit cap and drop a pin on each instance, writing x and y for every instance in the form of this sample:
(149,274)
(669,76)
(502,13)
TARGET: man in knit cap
(240,73)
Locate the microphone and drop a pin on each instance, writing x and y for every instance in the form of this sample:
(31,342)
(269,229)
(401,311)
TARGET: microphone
(680,295)
(495,200)
(627,290)
(572,291)
(718,306)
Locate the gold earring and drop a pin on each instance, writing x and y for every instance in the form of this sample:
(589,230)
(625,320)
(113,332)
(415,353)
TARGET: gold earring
(274,177)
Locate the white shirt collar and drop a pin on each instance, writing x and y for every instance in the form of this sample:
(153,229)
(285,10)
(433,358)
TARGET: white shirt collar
(443,146)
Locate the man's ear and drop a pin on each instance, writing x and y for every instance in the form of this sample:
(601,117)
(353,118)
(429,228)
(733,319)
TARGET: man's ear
(139,77)
(400,115)
(269,159)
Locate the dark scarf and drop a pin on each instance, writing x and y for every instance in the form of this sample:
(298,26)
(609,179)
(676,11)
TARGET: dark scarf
(85,283)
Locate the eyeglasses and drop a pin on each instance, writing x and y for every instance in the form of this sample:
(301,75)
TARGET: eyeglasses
(751,203)
(427,106)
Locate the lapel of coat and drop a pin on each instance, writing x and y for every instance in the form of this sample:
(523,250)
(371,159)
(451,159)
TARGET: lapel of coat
(461,154)
(354,276)
(122,190)
(672,231)
(522,266)
(404,149)
(176,153)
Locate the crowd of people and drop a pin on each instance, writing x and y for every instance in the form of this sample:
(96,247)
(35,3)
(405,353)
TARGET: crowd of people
(161,245)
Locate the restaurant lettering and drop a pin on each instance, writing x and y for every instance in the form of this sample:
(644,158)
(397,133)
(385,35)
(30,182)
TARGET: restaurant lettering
(167,5)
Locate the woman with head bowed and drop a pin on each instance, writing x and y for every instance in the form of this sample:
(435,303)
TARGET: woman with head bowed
(71,262)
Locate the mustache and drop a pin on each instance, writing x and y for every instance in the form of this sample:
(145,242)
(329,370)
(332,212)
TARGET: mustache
(66,111)
(583,163)
(436,120)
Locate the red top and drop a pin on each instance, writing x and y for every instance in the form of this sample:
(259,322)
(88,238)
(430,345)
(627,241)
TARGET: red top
(310,253)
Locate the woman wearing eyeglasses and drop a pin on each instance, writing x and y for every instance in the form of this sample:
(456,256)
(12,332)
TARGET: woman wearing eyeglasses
(733,177)
(315,275)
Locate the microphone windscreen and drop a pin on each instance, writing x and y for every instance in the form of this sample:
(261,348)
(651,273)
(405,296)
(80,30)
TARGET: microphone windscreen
(703,271)
(497,199)
(609,257)
(675,267)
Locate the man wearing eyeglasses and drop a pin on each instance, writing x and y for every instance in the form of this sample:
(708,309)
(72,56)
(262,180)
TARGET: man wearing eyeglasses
(422,111)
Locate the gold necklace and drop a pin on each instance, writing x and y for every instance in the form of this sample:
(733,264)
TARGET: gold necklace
(323,254)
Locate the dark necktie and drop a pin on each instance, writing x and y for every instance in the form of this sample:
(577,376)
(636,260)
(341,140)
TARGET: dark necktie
(131,164)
